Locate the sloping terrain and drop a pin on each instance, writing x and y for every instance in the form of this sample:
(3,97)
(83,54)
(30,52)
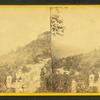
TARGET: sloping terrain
(77,68)
(30,59)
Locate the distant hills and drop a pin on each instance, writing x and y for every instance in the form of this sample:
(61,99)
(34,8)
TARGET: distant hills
(85,62)
(79,68)
(31,53)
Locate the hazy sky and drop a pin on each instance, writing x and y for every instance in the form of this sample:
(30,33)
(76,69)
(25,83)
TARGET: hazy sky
(82,31)
(19,26)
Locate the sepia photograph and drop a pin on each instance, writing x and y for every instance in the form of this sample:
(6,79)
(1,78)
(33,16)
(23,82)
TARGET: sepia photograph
(50,49)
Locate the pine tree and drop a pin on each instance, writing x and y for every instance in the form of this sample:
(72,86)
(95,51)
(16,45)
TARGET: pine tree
(56,28)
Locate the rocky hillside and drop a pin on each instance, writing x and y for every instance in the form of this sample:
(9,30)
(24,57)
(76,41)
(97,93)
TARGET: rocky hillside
(31,53)
(77,68)
(49,74)
(34,54)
